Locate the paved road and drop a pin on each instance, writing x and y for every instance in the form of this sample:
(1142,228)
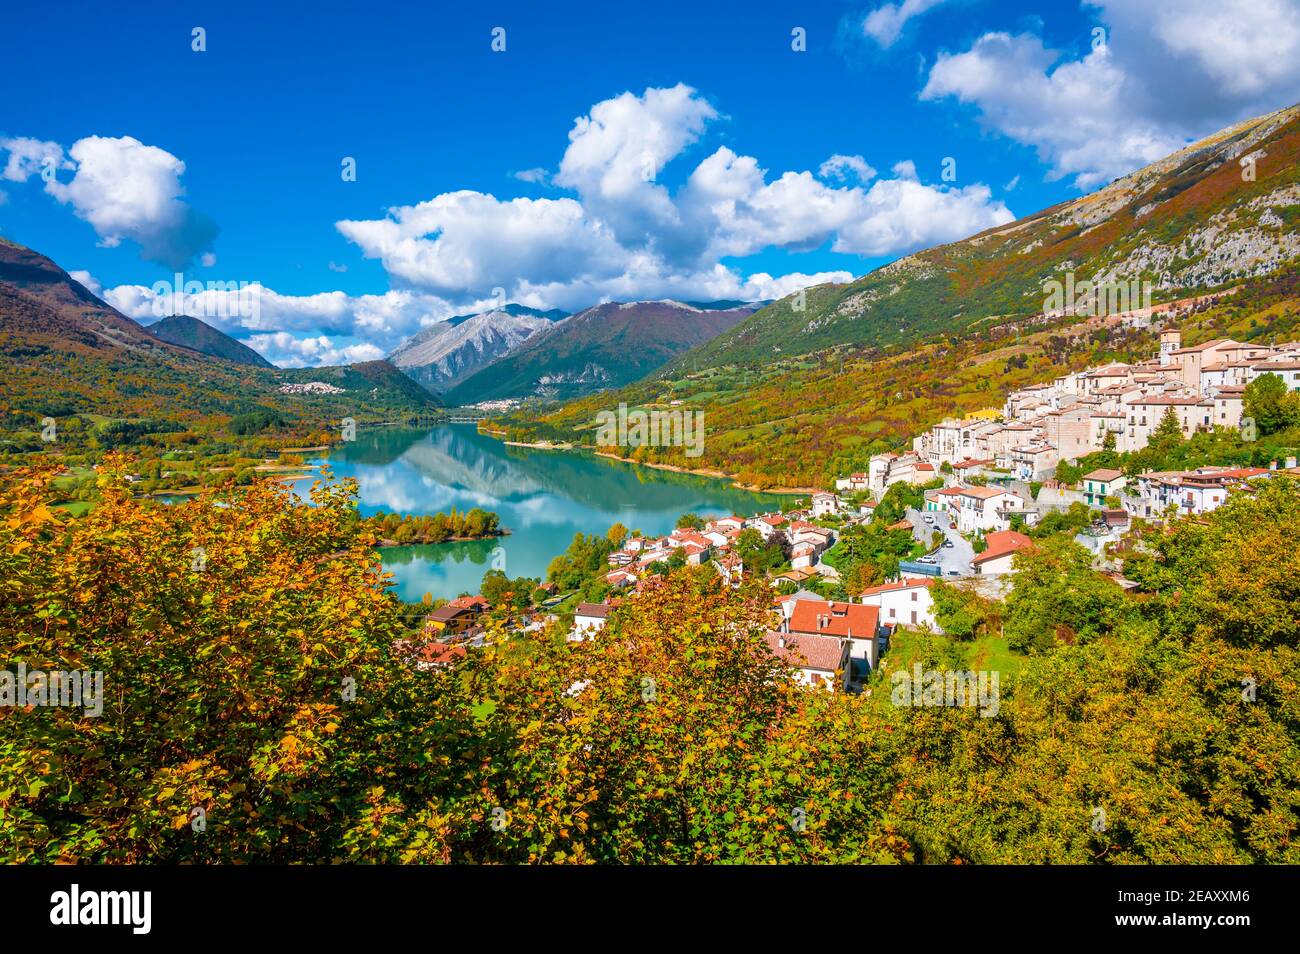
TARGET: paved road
(957,557)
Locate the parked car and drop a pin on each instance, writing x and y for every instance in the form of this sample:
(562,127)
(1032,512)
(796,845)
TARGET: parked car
(953,573)
(947,544)
(926,559)
(928,519)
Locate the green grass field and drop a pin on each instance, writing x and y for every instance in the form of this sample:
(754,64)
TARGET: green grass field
(992,652)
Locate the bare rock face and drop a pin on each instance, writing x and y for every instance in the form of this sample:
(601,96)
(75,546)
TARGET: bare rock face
(441,356)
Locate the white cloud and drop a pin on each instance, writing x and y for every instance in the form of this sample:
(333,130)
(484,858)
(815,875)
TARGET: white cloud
(840,167)
(283,349)
(537,175)
(89,280)
(1166,72)
(335,267)
(469,243)
(127,190)
(617,150)
(762,286)
(1244,48)
(646,281)
(29,157)
(905,169)
(383,320)
(625,235)
(1075,114)
(904,213)
(885,23)
(797,212)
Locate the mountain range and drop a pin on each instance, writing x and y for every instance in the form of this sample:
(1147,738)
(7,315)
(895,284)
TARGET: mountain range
(606,346)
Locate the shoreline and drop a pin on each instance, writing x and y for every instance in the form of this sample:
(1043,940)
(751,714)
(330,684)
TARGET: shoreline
(537,445)
(393,544)
(715,474)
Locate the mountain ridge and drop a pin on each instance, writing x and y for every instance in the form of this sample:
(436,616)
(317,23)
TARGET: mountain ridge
(941,280)
(64,352)
(607,345)
(442,355)
(186,331)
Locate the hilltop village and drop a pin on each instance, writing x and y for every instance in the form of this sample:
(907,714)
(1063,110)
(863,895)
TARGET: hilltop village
(953,512)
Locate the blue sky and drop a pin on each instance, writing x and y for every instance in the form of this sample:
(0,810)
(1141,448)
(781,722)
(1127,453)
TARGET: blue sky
(609,152)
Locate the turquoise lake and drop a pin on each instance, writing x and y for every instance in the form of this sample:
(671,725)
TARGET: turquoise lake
(543,497)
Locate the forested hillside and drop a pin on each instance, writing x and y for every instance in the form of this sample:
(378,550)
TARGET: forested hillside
(68,356)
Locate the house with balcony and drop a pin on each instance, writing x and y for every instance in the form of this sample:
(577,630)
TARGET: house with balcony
(452,620)
(825,504)
(1190,492)
(1102,483)
(857,625)
(986,508)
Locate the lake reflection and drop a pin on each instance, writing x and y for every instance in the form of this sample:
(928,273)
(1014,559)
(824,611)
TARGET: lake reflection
(543,498)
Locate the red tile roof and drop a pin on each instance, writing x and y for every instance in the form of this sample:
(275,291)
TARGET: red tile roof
(985,493)
(907,583)
(1207,346)
(440,654)
(1000,543)
(830,618)
(690,536)
(470,602)
(807,651)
